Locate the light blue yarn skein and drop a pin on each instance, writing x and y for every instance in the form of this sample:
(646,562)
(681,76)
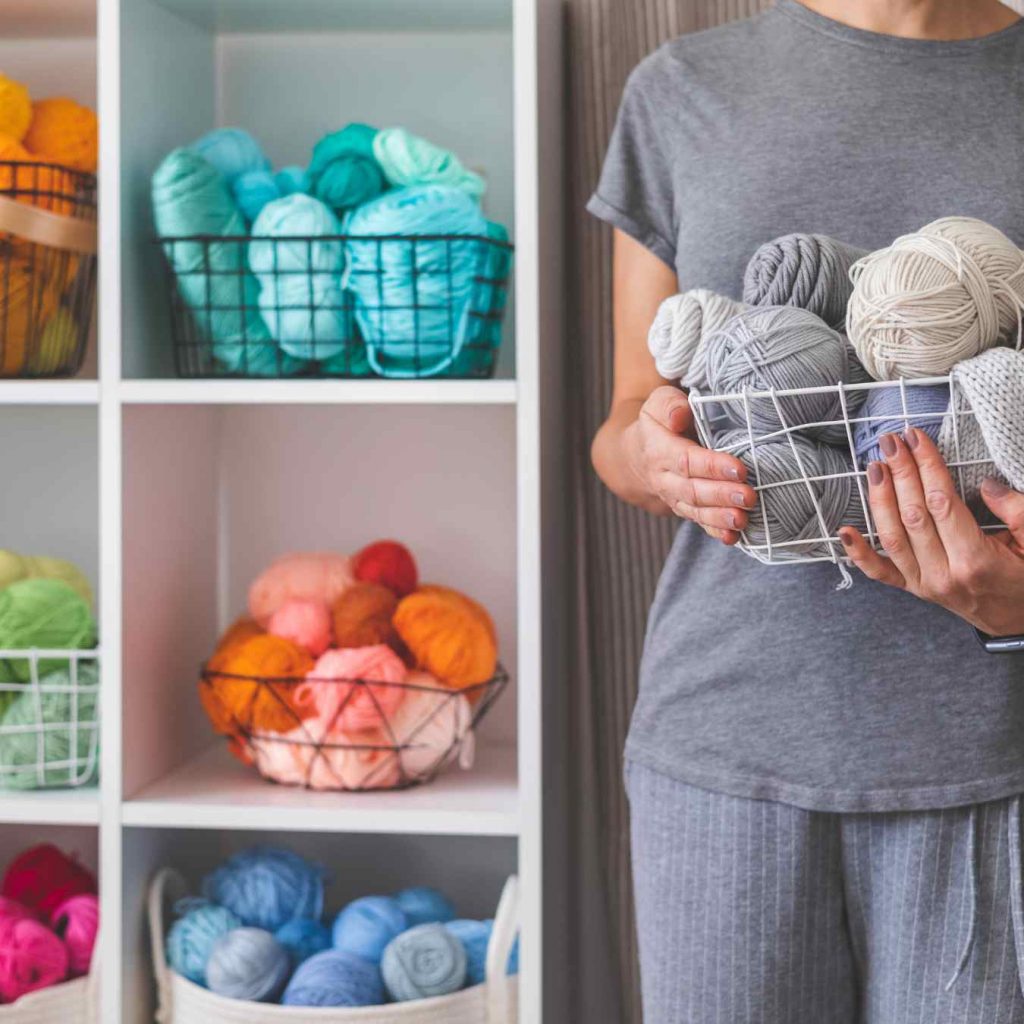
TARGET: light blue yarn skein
(926,406)
(425,961)
(248,964)
(253,190)
(291,179)
(193,935)
(367,925)
(301,299)
(233,151)
(267,887)
(423,905)
(406,159)
(335,978)
(475,937)
(303,938)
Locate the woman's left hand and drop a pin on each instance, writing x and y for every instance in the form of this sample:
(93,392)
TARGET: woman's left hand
(936,548)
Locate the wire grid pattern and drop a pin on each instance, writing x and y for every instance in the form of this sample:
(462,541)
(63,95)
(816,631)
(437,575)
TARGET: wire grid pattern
(421,328)
(80,722)
(382,748)
(37,280)
(711,421)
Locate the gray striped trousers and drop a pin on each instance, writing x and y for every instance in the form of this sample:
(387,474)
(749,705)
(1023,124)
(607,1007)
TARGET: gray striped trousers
(751,911)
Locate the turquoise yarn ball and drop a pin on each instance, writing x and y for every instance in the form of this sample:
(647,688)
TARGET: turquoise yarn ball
(344,171)
(291,179)
(232,151)
(425,961)
(423,905)
(193,935)
(406,159)
(335,978)
(303,938)
(266,887)
(367,925)
(253,190)
(248,964)
(475,937)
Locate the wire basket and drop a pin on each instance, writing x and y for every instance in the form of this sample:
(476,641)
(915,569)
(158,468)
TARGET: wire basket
(405,733)
(738,415)
(49,726)
(403,306)
(47,268)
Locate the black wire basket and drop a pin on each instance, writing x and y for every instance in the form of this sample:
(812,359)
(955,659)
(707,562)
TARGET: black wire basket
(407,732)
(47,268)
(400,307)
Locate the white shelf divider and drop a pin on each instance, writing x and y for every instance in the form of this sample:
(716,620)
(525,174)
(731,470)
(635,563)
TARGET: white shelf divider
(51,807)
(49,392)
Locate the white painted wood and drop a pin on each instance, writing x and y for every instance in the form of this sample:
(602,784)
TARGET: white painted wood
(49,392)
(50,807)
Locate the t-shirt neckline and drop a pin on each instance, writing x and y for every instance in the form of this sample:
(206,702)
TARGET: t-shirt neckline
(894,44)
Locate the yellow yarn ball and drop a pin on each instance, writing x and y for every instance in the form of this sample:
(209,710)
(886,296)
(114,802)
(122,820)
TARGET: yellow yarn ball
(15,108)
(15,567)
(64,132)
(57,344)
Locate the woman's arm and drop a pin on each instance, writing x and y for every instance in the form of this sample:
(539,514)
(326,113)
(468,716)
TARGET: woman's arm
(936,549)
(645,450)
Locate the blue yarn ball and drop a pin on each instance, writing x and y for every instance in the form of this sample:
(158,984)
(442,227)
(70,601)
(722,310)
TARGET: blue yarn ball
(303,938)
(194,935)
(248,964)
(335,978)
(253,190)
(267,887)
(425,961)
(367,925)
(291,179)
(423,905)
(926,405)
(475,937)
(233,151)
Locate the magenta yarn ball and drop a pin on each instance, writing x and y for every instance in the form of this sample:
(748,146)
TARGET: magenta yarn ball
(77,921)
(31,957)
(304,621)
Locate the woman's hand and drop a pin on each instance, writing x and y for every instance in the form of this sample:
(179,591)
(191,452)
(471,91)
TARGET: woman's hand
(936,548)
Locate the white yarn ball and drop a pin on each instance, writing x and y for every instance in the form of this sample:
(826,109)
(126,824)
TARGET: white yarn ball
(681,324)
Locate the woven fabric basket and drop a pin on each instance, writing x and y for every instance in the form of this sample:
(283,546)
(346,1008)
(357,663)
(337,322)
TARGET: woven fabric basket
(496,1001)
(73,1002)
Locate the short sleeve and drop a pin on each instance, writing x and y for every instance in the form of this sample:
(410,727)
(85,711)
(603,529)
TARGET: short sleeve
(635,191)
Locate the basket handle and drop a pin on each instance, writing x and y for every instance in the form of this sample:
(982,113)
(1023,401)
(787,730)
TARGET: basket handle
(162,880)
(47,228)
(506,928)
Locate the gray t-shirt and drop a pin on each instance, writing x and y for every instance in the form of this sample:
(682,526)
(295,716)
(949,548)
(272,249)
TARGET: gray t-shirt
(764,681)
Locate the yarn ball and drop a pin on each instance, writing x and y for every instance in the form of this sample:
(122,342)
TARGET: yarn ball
(57,347)
(423,905)
(27,300)
(449,634)
(808,271)
(361,617)
(344,171)
(232,151)
(64,132)
(253,190)
(312,576)
(303,938)
(335,978)
(475,937)
(305,622)
(193,936)
(366,925)
(935,298)
(77,922)
(343,689)
(42,878)
(42,613)
(15,108)
(12,908)
(297,257)
(50,736)
(242,629)
(425,961)
(431,727)
(291,179)
(781,347)
(14,567)
(407,159)
(31,957)
(248,964)
(883,413)
(389,563)
(16,179)
(267,887)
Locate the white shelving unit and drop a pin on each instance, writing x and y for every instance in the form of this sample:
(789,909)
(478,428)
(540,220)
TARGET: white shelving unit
(178,491)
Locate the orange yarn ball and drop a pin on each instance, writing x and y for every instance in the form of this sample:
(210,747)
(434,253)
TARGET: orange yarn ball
(15,108)
(27,301)
(449,634)
(362,616)
(388,563)
(31,182)
(242,629)
(64,132)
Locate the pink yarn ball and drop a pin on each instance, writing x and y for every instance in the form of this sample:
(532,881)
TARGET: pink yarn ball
(296,761)
(306,622)
(12,908)
(351,706)
(31,957)
(78,921)
(311,576)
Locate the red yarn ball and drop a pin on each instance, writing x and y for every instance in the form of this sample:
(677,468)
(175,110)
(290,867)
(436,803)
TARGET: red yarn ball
(389,563)
(31,957)
(43,877)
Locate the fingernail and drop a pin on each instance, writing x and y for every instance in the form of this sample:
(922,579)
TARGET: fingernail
(739,499)
(888,446)
(733,473)
(734,518)
(994,488)
(846,538)
(875,474)
(910,436)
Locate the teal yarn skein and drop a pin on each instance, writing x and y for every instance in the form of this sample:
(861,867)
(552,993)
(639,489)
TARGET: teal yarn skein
(232,151)
(425,961)
(193,935)
(423,905)
(303,938)
(344,172)
(248,964)
(366,925)
(291,179)
(406,159)
(253,190)
(335,978)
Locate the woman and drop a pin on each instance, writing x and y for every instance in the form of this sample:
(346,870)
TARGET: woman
(825,787)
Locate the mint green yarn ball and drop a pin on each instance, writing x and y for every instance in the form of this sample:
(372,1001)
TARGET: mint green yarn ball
(42,613)
(407,159)
(49,736)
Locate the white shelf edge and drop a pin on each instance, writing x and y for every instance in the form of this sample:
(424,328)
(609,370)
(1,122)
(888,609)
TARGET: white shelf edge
(49,392)
(50,807)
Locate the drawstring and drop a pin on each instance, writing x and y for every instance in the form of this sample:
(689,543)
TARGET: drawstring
(972,861)
(1016,906)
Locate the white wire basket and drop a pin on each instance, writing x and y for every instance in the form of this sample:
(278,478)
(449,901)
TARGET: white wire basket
(49,718)
(728,422)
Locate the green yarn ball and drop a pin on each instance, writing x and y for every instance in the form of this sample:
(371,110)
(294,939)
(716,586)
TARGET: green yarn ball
(42,613)
(42,744)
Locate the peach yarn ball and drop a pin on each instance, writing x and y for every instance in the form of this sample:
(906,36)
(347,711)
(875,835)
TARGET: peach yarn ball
(64,132)
(362,616)
(312,576)
(449,634)
(305,622)
(293,759)
(15,109)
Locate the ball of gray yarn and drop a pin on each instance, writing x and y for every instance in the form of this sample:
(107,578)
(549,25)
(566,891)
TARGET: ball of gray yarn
(248,964)
(781,348)
(787,512)
(809,271)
